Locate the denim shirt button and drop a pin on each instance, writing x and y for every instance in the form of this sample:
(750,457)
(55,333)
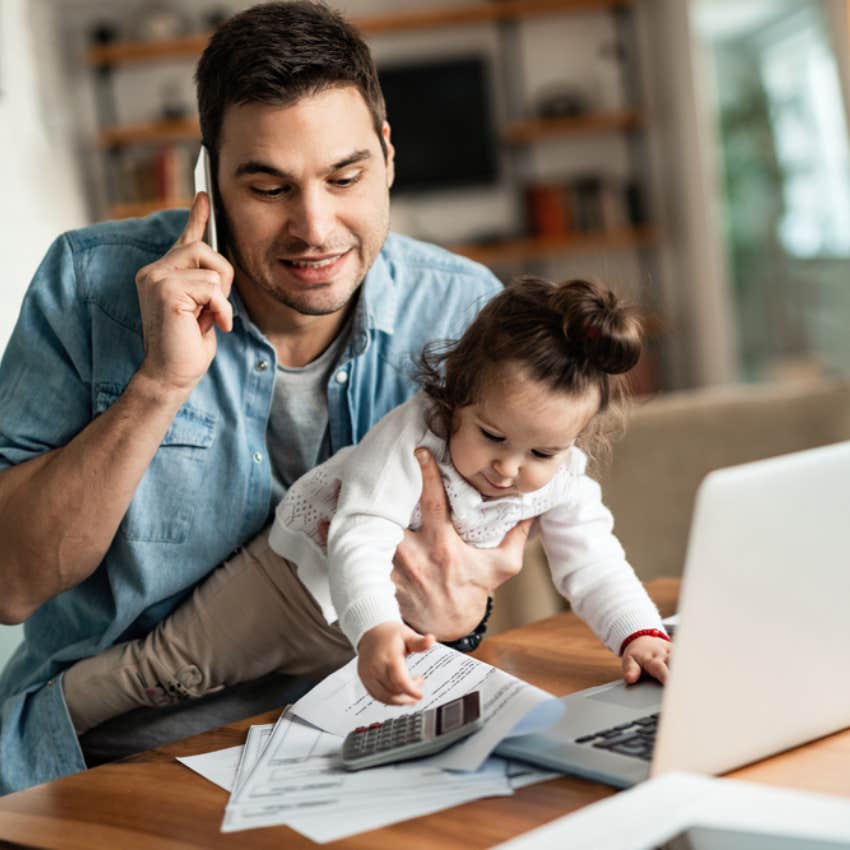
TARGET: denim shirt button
(261,365)
(341,376)
(258,457)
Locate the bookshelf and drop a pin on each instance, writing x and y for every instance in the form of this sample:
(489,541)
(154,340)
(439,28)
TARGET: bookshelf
(519,134)
(150,132)
(189,47)
(514,132)
(532,248)
(532,130)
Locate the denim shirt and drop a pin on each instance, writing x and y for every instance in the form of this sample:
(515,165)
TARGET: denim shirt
(77,343)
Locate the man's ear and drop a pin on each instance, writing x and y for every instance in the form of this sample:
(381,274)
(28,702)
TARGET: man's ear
(385,133)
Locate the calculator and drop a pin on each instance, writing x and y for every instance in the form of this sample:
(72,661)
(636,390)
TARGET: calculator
(409,736)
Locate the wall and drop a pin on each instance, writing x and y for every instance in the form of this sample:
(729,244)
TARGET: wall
(41,196)
(37,170)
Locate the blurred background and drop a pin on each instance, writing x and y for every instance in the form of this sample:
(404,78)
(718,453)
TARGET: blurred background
(693,153)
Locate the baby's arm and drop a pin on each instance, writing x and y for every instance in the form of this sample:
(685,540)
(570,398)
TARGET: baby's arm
(363,593)
(590,569)
(381,484)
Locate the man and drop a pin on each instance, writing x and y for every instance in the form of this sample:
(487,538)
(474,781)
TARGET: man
(146,431)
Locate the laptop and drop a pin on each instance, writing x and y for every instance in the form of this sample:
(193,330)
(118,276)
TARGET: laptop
(760,658)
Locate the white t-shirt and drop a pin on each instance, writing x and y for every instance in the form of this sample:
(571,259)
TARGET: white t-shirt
(297,433)
(370,493)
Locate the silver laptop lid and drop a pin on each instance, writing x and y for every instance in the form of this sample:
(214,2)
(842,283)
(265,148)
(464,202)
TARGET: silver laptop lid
(761,657)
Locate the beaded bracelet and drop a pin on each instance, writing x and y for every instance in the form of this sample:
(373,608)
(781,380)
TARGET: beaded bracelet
(644,633)
(471,641)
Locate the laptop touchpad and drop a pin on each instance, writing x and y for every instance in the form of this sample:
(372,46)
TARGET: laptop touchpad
(645,695)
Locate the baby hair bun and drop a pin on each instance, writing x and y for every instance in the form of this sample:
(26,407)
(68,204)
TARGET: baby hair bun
(598,327)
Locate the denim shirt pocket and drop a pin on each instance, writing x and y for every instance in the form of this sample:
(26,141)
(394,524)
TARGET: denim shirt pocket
(163,506)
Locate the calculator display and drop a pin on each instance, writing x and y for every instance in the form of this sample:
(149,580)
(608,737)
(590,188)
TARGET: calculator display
(454,714)
(449,717)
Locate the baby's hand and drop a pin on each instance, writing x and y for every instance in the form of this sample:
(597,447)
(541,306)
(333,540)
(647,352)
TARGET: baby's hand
(649,654)
(382,665)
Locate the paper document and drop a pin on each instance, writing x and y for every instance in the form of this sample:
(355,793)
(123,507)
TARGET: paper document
(521,774)
(291,773)
(255,743)
(510,706)
(298,780)
(218,767)
(225,767)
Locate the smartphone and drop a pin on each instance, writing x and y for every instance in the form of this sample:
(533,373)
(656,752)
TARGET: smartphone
(204,183)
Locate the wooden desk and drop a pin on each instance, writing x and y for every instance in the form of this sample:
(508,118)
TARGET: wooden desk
(152,801)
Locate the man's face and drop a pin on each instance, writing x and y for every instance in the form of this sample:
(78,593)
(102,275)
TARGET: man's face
(305,189)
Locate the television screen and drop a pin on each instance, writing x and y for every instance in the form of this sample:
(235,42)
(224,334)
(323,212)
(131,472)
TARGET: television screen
(441,122)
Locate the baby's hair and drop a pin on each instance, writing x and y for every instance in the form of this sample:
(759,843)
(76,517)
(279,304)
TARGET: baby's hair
(572,336)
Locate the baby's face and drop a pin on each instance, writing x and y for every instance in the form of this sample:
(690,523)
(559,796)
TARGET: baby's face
(514,438)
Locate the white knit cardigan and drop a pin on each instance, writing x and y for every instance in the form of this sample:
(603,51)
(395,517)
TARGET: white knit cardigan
(370,493)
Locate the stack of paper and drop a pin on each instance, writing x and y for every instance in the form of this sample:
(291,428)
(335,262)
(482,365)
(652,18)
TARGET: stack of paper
(290,772)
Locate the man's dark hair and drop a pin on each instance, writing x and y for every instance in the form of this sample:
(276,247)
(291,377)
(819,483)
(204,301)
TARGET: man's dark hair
(278,53)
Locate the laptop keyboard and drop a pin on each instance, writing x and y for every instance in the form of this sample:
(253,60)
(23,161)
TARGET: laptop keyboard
(636,738)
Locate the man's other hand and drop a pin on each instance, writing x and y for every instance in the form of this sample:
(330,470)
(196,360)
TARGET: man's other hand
(442,583)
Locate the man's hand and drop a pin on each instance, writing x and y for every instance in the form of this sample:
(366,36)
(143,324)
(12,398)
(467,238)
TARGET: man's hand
(182,296)
(382,662)
(47,549)
(442,583)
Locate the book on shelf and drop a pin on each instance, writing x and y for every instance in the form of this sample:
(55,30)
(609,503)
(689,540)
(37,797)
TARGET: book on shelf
(150,180)
(172,169)
(582,204)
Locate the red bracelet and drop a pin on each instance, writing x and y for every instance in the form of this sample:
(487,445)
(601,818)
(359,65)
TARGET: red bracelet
(643,633)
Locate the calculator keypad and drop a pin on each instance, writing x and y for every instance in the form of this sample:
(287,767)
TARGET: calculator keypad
(391,734)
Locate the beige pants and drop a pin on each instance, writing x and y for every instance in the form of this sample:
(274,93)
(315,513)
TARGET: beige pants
(250,617)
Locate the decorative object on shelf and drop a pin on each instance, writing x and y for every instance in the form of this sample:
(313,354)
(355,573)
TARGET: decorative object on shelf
(174,106)
(607,204)
(614,204)
(560,101)
(173,165)
(103,33)
(547,207)
(587,204)
(158,22)
(635,204)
